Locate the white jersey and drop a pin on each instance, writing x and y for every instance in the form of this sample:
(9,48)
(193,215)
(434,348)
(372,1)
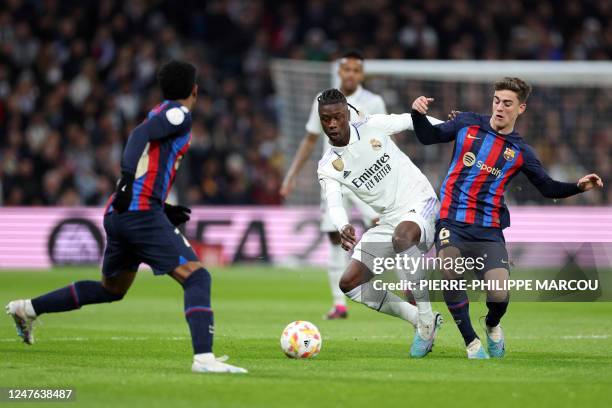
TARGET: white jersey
(366,102)
(374,169)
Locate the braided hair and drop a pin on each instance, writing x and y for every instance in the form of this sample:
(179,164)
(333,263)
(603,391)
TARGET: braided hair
(332,96)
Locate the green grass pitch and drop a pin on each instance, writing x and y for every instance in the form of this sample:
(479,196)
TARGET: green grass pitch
(137,352)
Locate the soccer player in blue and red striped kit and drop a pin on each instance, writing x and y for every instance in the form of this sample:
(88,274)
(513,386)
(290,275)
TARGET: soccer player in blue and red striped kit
(141,227)
(488,153)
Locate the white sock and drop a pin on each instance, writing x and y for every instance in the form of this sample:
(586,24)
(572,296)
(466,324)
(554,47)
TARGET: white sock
(336,265)
(385,302)
(421,296)
(204,358)
(29,309)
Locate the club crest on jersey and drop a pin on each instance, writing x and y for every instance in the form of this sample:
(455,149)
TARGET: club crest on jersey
(509,154)
(338,164)
(376,144)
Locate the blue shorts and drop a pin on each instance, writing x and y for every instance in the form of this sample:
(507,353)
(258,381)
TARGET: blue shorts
(143,236)
(474,241)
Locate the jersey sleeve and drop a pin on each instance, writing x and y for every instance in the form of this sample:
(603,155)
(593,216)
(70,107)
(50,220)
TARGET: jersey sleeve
(430,133)
(395,123)
(314,122)
(549,188)
(332,190)
(172,122)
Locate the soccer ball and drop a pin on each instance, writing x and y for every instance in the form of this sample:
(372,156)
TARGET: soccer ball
(301,339)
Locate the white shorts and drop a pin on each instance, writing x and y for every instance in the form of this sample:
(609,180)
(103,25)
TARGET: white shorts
(350,200)
(377,242)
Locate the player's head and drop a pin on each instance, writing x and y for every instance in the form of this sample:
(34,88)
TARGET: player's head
(350,71)
(509,101)
(335,116)
(177,80)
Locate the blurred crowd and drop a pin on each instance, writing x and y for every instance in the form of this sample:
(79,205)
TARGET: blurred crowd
(77,76)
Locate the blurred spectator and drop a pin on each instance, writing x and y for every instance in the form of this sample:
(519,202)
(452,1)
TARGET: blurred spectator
(77,76)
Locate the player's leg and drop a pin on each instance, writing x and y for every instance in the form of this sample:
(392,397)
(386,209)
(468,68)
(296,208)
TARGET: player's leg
(167,251)
(406,240)
(357,285)
(337,262)
(118,272)
(497,303)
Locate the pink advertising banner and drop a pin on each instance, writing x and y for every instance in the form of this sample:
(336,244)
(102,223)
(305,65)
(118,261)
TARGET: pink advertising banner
(38,238)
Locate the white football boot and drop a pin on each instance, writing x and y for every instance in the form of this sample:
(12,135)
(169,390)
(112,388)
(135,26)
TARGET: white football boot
(208,363)
(24,321)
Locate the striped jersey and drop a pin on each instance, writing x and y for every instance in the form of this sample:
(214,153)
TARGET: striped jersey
(482,165)
(153,154)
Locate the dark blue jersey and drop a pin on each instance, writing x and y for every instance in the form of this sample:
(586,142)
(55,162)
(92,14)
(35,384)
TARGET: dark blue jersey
(153,154)
(482,165)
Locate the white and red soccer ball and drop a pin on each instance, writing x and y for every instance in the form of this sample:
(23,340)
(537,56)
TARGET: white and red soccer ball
(301,339)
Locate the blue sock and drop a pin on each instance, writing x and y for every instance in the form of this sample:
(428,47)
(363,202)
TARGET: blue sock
(198,312)
(73,297)
(459,306)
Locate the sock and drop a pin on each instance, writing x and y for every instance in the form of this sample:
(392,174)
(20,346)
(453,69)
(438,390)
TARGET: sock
(421,296)
(198,312)
(384,301)
(459,307)
(338,259)
(72,297)
(496,311)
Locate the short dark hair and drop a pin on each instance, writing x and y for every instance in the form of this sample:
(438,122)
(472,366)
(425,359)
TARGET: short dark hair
(353,54)
(331,96)
(176,79)
(517,85)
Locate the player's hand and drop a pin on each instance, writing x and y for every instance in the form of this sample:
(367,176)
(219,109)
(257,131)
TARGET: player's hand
(287,187)
(123,193)
(453,114)
(177,214)
(589,182)
(348,240)
(421,104)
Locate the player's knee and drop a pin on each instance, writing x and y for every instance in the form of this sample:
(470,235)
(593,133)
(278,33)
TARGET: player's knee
(114,294)
(406,235)
(348,282)
(200,277)
(498,296)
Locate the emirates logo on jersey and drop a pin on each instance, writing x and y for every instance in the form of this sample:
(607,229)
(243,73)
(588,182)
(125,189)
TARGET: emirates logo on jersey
(376,144)
(373,174)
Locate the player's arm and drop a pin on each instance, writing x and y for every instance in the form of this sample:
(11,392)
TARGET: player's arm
(427,132)
(395,123)
(333,198)
(308,144)
(549,188)
(155,128)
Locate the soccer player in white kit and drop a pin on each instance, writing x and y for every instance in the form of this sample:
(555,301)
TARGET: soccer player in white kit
(364,159)
(351,76)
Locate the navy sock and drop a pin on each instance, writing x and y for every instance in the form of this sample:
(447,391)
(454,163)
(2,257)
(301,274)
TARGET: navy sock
(459,306)
(496,311)
(198,312)
(73,297)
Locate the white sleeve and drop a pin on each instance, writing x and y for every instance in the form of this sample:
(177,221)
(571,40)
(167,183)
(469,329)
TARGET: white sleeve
(394,123)
(314,122)
(333,199)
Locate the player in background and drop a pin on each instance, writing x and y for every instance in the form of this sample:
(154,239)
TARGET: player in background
(364,159)
(351,76)
(141,227)
(488,153)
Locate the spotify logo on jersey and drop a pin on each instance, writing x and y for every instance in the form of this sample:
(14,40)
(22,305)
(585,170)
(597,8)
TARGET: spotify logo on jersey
(469,159)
